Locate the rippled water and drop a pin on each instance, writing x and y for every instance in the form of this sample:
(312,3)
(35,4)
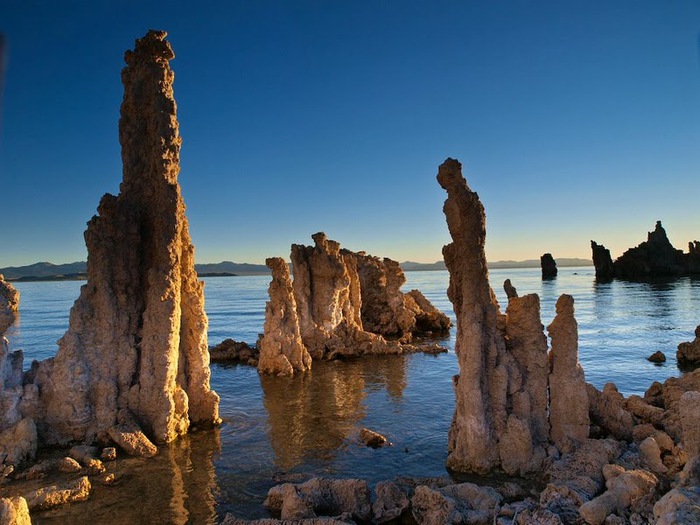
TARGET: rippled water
(278,429)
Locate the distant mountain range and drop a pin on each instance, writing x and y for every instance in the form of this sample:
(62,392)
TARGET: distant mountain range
(45,271)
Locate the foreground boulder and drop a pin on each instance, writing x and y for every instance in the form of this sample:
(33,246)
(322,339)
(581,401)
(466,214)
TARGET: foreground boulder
(14,511)
(137,338)
(321,497)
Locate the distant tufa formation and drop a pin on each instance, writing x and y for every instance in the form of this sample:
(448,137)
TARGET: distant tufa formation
(133,367)
(549,266)
(656,257)
(341,303)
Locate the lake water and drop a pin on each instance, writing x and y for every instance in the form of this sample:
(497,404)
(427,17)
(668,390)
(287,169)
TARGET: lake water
(279,429)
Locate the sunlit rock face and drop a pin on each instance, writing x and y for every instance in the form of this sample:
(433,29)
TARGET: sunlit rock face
(9,304)
(282,351)
(328,295)
(137,339)
(501,411)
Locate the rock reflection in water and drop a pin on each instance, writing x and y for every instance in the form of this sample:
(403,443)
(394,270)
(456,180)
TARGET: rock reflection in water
(314,415)
(177,486)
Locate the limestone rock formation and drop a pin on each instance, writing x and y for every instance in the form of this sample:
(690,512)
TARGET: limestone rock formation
(137,339)
(340,303)
(567,387)
(328,297)
(282,351)
(602,260)
(689,353)
(548,265)
(501,413)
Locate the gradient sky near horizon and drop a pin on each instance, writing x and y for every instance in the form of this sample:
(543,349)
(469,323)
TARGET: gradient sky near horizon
(574,120)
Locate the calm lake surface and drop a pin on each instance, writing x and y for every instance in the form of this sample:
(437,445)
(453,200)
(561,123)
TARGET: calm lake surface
(281,429)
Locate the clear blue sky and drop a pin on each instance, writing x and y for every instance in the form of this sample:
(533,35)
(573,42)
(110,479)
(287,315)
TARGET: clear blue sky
(574,120)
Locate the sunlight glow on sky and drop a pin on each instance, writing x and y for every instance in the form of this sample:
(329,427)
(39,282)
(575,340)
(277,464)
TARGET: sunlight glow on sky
(573,120)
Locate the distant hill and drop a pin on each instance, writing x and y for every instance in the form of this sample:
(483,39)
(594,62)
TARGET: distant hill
(45,271)
(564,262)
(231,268)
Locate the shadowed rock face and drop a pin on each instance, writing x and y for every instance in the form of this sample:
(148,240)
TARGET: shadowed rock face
(548,265)
(655,257)
(602,260)
(137,339)
(501,411)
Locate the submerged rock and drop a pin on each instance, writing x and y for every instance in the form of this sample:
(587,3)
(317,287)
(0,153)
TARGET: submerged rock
(55,495)
(657,357)
(137,338)
(372,439)
(230,351)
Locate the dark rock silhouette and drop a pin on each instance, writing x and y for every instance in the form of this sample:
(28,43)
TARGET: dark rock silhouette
(602,260)
(549,266)
(655,257)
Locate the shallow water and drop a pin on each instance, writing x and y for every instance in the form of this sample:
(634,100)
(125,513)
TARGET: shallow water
(278,429)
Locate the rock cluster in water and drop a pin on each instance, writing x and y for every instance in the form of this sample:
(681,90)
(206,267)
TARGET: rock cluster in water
(340,304)
(133,367)
(655,257)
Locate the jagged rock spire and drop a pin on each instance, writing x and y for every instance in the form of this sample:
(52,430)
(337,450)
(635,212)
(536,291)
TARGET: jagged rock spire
(137,340)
